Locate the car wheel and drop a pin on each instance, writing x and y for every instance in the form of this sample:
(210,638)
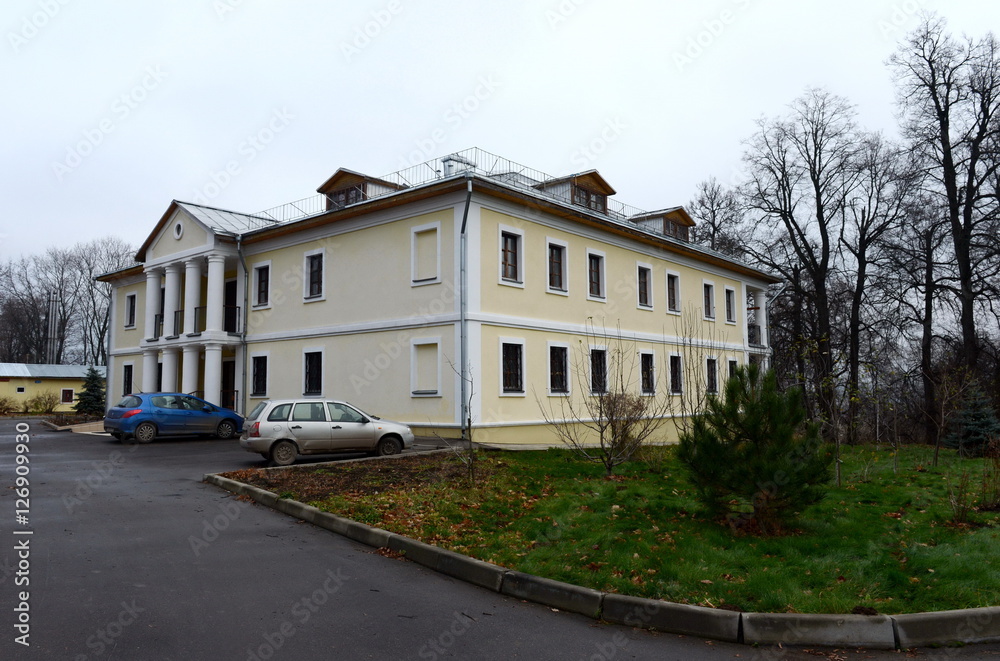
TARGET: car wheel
(226,430)
(145,432)
(388,445)
(283,453)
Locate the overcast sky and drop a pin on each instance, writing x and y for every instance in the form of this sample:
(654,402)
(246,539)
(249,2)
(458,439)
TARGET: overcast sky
(112,108)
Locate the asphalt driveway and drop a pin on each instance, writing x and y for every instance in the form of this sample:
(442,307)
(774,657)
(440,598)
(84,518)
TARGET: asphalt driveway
(126,554)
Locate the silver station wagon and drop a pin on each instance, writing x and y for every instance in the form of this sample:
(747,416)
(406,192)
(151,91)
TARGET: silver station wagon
(282,429)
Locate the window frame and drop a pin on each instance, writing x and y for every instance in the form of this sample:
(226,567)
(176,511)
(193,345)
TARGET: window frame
(734,365)
(566,370)
(675,277)
(253,374)
(257,268)
(730,303)
(711,374)
(307,256)
(414,382)
(564,274)
(599,254)
(518,235)
(131,302)
(128,368)
(306,352)
(643,390)
(62,395)
(518,342)
(708,300)
(589,199)
(421,229)
(603,350)
(647,289)
(676,374)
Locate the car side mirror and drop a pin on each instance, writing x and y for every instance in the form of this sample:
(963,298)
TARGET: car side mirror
(365,421)
(206,409)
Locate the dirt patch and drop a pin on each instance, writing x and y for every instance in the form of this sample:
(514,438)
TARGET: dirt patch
(311,483)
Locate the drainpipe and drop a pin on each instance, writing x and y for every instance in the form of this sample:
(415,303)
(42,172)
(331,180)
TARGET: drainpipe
(246,316)
(463,312)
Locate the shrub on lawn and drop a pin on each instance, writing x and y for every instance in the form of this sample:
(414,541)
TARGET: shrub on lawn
(8,405)
(753,457)
(44,402)
(974,426)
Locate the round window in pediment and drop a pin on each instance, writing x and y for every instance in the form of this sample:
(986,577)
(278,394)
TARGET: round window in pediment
(178,229)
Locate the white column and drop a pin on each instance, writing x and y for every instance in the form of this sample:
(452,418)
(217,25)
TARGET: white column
(216,292)
(149,362)
(152,302)
(171,298)
(213,373)
(169,370)
(189,371)
(192,295)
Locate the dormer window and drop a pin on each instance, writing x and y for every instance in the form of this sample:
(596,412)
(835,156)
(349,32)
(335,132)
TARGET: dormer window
(670,228)
(342,197)
(590,199)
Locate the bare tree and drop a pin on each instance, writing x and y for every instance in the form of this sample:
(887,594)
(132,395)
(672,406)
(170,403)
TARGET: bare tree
(949,92)
(718,213)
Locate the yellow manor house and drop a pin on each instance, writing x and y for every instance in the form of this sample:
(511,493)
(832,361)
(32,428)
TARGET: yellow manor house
(466,288)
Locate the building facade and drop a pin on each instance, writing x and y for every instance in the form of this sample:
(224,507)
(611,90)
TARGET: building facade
(469,288)
(22,382)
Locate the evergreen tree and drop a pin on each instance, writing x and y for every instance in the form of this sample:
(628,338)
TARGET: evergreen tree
(753,457)
(90,401)
(973,426)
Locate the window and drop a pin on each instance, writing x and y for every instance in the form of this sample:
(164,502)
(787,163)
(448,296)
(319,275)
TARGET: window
(126,379)
(314,274)
(344,196)
(673,292)
(711,376)
(647,373)
(510,248)
(66,396)
(590,199)
(733,366)
(513,367)
(676,377)
(20,389)
(344,413)
(130,311)
(730,305)
(279,412)
(262,285)
(558,370)
(709,300)
(424,367)
(425,255)
(598,371)
(595,275)
(313,381)
(644,283)
(259,377)
(308,412)
(557,267)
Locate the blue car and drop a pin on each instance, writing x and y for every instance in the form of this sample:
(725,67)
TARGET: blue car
(144,416)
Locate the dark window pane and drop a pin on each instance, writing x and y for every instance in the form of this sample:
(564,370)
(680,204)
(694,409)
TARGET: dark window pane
(509,256)
(648,377)
(558,381)
(598,371)
(315,275)
(263,284)
(643,286)
(513,380)
(314,373)
(676,384)
(712,381)
(259,375)
(556,267)
(595,266)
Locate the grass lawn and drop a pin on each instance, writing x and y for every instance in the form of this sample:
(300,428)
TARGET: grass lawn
(880,542)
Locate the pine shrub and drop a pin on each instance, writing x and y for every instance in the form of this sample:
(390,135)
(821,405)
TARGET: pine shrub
(90,400)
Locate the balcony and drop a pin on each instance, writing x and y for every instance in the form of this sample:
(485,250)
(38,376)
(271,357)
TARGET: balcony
(755,336)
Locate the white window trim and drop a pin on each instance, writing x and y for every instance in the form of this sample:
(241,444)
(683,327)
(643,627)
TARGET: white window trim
(135,310)
(666,292)
(524,366)
(705,313)
(506,229)
(424,341)
(548,370)
(718,381)
(305,275)
(258,265)
(670,385)
(649,281)
(20,390)
(266,355)
(414,231)
(549,241)
(648,352)
(603,298)
(322,361)
(736,314)
(590,369)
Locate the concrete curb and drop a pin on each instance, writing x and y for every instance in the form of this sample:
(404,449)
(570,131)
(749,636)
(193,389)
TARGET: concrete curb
(875,631)
(975,625)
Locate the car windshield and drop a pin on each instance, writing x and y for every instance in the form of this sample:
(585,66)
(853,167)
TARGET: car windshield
(256,411)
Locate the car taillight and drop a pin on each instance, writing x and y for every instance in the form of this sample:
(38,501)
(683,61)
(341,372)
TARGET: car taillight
(129,414)
(254,430)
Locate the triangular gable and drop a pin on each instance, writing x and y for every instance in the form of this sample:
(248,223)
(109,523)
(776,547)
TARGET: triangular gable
(677,215)
(344,178)
(591,180)
(164,228)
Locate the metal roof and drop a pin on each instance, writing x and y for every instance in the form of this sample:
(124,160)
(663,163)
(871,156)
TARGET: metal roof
(227,222)
(27,371)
